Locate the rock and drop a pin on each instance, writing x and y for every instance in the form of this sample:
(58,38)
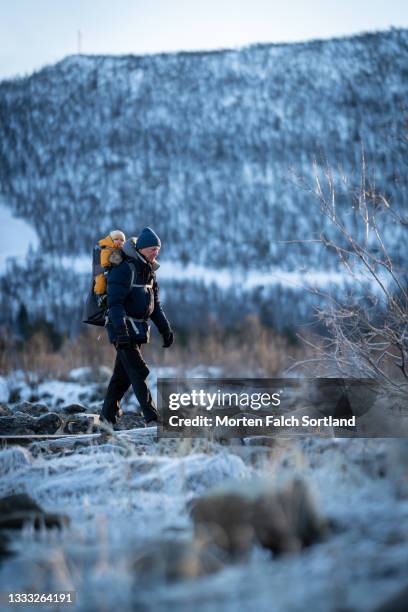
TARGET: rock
(24,424)
(288,520)
(18,426)
(174,560)
(18,509)
(269,441)
(48,423)
(81,423)
(5,410)
(34,397)
(280,520)
(23,407)
(87,375)
(32,409)
(19,502)
(74,408)
(226,521)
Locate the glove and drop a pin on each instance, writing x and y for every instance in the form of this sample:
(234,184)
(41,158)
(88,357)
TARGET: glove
(168,339)
(123,341)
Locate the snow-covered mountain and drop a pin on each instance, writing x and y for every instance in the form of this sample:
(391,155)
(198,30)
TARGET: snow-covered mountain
(204,147)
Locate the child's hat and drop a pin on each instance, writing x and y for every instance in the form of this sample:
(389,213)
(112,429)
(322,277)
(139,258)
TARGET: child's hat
(117,235)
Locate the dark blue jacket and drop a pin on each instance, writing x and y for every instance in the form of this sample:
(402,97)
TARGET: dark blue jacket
(126,299)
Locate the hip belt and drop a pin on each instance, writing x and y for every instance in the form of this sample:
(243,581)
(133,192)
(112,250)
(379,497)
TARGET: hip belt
(136,329)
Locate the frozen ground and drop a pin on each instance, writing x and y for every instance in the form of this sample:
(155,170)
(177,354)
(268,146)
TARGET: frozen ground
(132,493)
(79,387)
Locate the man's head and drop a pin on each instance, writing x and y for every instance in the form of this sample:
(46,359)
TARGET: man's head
(148,244)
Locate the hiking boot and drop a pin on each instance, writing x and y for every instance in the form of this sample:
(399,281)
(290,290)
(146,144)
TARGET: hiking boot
(111,419)
(107,421)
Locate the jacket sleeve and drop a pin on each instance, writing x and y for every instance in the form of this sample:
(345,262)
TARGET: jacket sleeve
(118,286)
(158,317)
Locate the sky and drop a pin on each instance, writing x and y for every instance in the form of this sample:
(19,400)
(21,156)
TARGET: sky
(34,33)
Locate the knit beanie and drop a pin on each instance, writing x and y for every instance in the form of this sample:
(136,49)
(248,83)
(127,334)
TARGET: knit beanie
(147,238)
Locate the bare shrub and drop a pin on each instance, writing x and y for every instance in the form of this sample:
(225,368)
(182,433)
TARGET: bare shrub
(367,330)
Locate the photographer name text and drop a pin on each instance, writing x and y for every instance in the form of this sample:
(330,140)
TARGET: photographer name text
(266,421)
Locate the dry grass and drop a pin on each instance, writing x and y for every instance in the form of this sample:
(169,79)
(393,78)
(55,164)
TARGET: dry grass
(248,350)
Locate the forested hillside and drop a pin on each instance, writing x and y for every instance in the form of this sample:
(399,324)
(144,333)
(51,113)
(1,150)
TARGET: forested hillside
(206,148)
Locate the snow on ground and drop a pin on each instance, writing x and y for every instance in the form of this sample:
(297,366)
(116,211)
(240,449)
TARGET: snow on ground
(132,492)
(120,501)
(79,388)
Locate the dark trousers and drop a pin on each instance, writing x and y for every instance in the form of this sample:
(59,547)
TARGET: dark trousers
(130,369)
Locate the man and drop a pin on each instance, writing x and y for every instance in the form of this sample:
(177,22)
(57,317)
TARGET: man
(133,297)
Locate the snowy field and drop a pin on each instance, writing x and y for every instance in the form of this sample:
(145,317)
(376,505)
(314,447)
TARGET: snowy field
(131,543)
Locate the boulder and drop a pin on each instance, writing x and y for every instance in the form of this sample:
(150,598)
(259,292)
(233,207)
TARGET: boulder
(18,426)
(34,397)
(287,520)
(23,406)
(24,424)
(81,423)
(48,423)
(18,509)
(281,520)
(225,520)
(34,410)
(73,408)
(5,410)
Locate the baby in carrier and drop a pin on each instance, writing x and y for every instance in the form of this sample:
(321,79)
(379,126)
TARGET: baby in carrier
(109,254)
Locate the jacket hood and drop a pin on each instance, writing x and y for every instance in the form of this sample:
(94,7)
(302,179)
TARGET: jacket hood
(106,242)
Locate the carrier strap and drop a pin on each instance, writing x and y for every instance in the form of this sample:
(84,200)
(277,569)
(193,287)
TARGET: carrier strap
(150,286)
(132,321)
(132,284)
